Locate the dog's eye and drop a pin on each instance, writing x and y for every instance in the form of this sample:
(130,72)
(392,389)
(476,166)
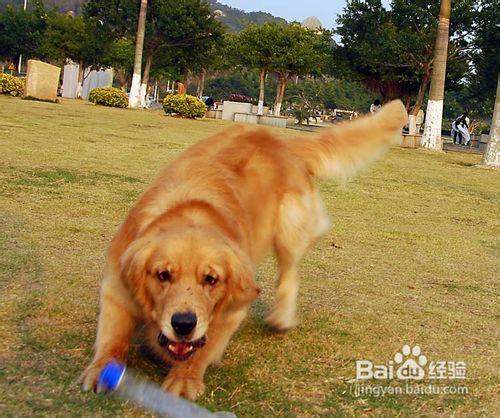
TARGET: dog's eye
(211,280)
(164,276)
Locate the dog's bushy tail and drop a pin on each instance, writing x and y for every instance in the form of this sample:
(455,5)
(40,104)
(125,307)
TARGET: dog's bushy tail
(342,151)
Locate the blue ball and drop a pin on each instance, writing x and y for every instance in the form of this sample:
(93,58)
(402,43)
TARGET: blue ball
(111,376)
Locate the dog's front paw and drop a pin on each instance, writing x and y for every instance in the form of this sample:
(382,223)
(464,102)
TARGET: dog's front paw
(90,376)
(282,320)
(185,385)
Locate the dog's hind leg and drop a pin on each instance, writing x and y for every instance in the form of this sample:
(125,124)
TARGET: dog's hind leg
(301,221)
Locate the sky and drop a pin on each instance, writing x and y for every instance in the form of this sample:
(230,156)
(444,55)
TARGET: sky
(325,10)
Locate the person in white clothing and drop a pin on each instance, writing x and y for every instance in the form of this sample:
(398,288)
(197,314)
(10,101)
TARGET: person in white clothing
(460,130)
(375,106)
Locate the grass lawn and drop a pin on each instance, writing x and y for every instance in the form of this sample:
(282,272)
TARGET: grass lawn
(412,258)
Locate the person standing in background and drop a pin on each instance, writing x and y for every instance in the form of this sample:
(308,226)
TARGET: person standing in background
(181,88)
(375,106)
(460,129)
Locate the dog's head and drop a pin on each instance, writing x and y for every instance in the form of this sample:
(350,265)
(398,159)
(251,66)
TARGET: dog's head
(185,277)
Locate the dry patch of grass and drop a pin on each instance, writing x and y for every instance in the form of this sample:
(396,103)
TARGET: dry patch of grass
(412,258)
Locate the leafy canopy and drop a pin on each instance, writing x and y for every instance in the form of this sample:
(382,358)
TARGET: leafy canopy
(21,32)
(75,38)
(284,49)
(178,34)
(390,50)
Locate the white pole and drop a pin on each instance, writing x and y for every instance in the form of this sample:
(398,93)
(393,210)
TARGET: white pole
(21,55)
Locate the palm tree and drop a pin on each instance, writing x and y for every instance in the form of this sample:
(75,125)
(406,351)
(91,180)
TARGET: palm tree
(491,157)
(134,99)
(432,133)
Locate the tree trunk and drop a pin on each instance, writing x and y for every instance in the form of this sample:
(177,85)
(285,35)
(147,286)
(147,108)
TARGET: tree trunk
(145,78)
(185,78)
(280,93)
(412,117)
(201,83)
(134,99)
(491,157)
(407,103)
(434,118)
(121,78)
(79,86)
(424,84)
(262,91)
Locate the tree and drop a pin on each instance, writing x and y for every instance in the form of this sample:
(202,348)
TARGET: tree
(255,47)
(134,99)
(177,35)
(121,58)
(299,52)
(434,118)
(21,32)
(491,155)
(74,38)
(481,88)
(183,35)
(212,59)
(285,50)
(391,51)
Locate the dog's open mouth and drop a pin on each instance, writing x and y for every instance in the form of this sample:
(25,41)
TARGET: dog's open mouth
(182,350)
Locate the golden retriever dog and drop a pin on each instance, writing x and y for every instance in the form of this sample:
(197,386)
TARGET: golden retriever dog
(183,262)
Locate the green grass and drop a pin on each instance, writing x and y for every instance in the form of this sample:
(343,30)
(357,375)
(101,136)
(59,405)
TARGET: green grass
(412,258)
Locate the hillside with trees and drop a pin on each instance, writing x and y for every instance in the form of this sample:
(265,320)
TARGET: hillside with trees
(60,5)
(235,19)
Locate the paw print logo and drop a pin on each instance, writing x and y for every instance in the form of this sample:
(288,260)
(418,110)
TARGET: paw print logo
(412,363)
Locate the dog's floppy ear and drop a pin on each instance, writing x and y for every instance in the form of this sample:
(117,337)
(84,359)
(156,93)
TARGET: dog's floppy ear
(133,267)
(241,288)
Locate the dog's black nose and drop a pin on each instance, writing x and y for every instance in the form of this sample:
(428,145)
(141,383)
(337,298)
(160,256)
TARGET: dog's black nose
(183,323)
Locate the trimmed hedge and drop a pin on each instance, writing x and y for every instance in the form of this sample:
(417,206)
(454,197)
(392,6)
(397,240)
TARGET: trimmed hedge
(184,105)
(109,96)
(11,85)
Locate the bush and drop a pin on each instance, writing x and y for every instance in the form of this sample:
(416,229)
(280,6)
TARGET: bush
(479,127)
(302,112)
(241,98)
(11,85)
(446,123)
(109,96)
(184,105)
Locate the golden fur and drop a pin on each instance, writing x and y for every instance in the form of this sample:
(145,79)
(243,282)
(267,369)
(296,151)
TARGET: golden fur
(213,214)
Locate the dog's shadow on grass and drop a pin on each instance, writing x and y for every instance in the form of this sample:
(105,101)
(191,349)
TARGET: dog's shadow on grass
(256,318)
(256,323)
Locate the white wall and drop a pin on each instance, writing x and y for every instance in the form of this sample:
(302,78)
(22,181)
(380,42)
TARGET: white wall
(70,81)
(230,108)
(96,79)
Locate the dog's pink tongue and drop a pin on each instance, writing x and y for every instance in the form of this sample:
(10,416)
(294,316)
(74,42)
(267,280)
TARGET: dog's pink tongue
(181,349)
